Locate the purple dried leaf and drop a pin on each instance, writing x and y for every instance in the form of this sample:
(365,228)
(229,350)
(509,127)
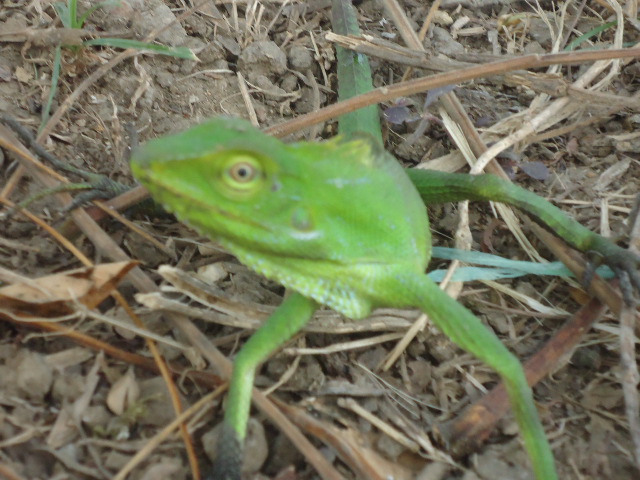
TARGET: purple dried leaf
(397,115)
(535,169)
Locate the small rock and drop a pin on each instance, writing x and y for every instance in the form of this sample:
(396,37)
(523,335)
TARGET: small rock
(212,52)
(255,446)
(167,469)
(220,64)
(444,42)
(230,45)
(116,460)
(539,31)
(300,58)
(268,88)
(165,79)
(157,403)
(154,13)
(306,102)
(8,376)
(96,416)
(533,47)
(290,82)
(262,58)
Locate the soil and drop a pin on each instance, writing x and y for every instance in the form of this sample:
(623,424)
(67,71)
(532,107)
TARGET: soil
(69,411)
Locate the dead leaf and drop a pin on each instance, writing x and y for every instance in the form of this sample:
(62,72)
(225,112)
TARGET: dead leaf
(23,75)
(57,295)
(123,393)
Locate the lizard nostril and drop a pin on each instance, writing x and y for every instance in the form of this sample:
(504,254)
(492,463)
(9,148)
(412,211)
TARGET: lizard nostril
(301,220)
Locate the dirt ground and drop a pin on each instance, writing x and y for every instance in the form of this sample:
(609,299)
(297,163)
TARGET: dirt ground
(69,411)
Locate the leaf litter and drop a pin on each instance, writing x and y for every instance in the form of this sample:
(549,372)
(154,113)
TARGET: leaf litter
(68,410)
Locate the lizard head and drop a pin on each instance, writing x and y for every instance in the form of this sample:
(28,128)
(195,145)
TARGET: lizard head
(230,182)
(321,218)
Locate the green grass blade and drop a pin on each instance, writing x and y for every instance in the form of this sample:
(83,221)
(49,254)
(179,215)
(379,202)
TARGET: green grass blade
(354,75)
(178,52)
(73,14)
(63,12)
(591,33)
(55,77)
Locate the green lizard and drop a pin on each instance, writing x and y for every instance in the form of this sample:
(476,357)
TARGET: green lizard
(341,224)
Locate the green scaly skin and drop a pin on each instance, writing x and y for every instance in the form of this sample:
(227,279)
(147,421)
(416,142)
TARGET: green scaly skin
(340,223)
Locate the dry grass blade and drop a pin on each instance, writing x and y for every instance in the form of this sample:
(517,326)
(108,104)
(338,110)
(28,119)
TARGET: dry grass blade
(365,462)
(204,403)
(630,376)
(383,94)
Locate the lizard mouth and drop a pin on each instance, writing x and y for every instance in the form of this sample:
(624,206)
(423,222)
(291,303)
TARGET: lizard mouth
(178,202)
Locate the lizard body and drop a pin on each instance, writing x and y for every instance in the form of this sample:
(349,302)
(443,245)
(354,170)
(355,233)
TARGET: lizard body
(337,222)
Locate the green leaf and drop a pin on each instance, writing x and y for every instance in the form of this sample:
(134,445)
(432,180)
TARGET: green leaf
(55,77)
(354,76)
(178,52)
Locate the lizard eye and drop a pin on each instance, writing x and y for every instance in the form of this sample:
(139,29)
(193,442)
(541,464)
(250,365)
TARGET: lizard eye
(242,172)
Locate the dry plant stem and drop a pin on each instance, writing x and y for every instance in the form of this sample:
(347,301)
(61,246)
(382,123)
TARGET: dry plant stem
(365,464)
(574,22)
(95,344)
(168,380)
(599,288)
(387,429)
(466,433)
(65,199)
(561,108)
(9,141)
(242,85)
(453,107)
(216,358)
(427,21)
(456,111)
(541,83)
(8,474)
(554,113)
(155,442)
(418,85)
(251,319)
(630,376)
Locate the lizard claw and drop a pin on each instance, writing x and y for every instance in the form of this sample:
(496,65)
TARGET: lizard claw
(228,462)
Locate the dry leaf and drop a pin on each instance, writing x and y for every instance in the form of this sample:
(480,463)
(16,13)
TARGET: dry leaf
(23,76)
(123,393)
(56,295)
